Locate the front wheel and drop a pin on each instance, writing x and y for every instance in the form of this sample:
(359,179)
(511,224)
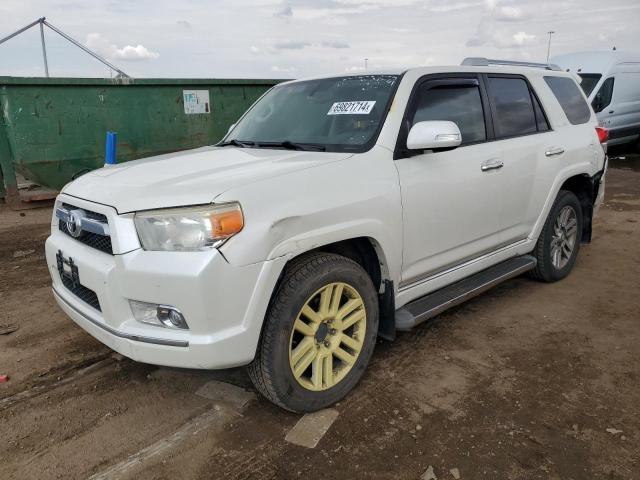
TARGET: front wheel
(319,333)
(559,241)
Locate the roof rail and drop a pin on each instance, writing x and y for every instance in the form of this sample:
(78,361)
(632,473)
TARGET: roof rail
(485,62)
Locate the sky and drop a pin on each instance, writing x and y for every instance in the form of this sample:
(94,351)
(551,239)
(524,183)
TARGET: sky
(299,38)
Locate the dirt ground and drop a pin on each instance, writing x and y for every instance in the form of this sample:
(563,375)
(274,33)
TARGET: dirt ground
(527,381)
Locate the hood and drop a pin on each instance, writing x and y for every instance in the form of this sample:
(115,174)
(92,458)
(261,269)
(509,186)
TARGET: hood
(189,177)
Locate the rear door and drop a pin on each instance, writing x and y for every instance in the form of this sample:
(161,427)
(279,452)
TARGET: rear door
(522,136)
(451,199)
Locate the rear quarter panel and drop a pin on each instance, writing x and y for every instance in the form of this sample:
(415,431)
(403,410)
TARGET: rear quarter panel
(583,154)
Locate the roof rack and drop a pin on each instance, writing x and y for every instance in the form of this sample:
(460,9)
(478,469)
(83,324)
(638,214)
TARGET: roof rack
(485,62)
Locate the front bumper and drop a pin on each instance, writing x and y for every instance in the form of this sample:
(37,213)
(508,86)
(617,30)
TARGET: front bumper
(223,304)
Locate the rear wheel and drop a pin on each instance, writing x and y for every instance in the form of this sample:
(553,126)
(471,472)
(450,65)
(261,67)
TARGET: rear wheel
(319,333)
(559,241)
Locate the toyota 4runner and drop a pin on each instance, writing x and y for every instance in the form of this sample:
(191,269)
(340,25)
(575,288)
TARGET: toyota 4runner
(336,210)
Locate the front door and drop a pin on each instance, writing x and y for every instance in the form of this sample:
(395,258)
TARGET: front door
(452,200)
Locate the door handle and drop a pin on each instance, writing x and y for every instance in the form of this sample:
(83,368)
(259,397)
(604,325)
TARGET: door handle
(492,164)
(554,151)
(611,111)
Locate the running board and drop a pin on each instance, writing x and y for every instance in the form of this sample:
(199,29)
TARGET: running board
(430,305)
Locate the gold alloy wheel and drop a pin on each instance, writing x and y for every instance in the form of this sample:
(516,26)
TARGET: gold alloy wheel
(327,337)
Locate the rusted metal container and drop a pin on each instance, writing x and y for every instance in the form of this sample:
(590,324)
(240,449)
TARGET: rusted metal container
(52,129)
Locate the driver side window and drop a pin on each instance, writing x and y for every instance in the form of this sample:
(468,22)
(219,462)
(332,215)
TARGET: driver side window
(456,103)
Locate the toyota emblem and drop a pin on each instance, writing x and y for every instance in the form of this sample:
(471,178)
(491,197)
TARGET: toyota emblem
(74,223)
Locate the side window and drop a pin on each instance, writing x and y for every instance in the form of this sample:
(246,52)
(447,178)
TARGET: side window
(541,120)
(603,97)
(513,110)
(459,104)
(570,98)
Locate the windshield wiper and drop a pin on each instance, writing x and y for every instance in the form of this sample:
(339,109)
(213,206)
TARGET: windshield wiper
(236,143)
(293,145)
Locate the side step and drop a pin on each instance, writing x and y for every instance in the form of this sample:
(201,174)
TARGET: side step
(430,305)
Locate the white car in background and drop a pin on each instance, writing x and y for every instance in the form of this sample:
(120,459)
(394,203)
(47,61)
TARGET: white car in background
(338,209)
(611,81)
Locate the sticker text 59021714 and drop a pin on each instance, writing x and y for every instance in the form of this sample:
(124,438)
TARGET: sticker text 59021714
(351,108)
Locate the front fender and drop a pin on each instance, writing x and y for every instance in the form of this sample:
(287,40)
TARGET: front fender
(304,210)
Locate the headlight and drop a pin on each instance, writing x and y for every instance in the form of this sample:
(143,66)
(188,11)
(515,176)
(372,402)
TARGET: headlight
(188,229)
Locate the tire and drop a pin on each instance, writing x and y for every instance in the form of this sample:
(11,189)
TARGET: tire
(306,282)
(550,268)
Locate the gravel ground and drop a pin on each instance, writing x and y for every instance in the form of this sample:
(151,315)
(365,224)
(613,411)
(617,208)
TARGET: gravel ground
(527,381)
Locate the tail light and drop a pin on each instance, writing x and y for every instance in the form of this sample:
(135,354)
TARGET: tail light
(603,134)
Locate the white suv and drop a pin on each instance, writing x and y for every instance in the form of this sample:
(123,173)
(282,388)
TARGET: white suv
(336,210)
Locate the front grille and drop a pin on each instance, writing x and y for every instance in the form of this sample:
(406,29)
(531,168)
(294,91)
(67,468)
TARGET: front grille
(95,215)
(99,242)
(83,293)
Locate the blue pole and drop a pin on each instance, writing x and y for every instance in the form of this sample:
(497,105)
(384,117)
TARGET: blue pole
(110,155)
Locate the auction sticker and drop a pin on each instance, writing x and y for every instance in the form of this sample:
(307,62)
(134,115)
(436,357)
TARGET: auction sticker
(351,108)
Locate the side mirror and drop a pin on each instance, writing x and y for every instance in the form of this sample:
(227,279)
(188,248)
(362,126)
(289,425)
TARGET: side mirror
(434,134)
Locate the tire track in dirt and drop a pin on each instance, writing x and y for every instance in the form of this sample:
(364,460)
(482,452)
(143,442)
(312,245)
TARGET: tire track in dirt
(92,367)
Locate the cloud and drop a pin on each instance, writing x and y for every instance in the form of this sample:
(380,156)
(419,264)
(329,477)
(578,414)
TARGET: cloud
(504,13)
(286,70)
(391,33)
(335,44)
(285,11)
(291,45)
(403,30)
(453,6)
(489,34)
(522,38)
(492,30)
(184,24)
(102,46)
(509,14)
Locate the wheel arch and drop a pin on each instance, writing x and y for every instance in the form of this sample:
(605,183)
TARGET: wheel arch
(369,254)
(584,187)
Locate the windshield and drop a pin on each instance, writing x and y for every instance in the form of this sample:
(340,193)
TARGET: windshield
(332,114)
(589,82)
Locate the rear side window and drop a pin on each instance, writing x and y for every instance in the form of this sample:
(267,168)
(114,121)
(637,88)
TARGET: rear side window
(541,120)
(571,100)
(459,104)
(603,97)
(513,110)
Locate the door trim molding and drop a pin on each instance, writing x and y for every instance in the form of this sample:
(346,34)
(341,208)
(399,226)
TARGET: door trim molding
(445,271)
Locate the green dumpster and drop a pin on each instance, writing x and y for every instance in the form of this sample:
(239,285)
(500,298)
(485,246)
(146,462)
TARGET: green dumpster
(53,129)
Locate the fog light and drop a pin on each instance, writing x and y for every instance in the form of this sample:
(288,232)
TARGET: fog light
(171,317)
(159,315)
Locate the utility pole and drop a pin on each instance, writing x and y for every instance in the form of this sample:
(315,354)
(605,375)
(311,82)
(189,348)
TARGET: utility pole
(366,64)
(550,32)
